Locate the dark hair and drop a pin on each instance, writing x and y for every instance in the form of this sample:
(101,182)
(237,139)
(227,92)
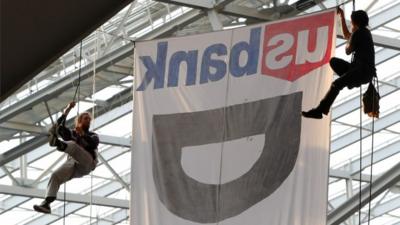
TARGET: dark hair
(360,18)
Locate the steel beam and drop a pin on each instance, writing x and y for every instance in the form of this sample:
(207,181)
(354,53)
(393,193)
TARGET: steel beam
(172,26)
(241,11)
(382,183)
(196,4)
(109,154)
(64,84)
(380,19)
(104,139)
(72,207)
(119,28)
(30,145)
(76,198)
(214,20)
(24,127)
(385,207)
(385,16)
(114,173)
(99,122)
(138,25)
(126,50)
(102,120)
(114,218)
(47,170)
(379,154)
(14,201)
(386,42)
(354,136)
(12,178)
(379,40)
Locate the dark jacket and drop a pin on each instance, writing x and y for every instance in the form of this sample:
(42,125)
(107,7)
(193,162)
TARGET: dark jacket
(89,141)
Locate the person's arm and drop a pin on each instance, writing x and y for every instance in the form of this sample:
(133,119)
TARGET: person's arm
(93,141)
(63,118)
(64,132)
(90,142)
(95,144)
(354,39)
(349,48)
(346,32)
(68,108)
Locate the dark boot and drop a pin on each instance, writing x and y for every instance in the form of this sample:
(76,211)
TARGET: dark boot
(52,135)
(325,104)
(61,146)
(54,141)
(315,113)
(44,207)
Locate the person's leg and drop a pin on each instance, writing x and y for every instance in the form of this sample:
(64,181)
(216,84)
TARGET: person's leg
(63,174)
(339,66)
(326,103)
(70,147)
(324,106)
(53,139)
(82,157)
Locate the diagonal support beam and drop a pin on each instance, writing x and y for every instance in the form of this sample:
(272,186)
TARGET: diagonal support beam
(214,20)
(386,207)
(382,183)
(10,175)
(380,154)
(116,175)
(354,136)
(386,42)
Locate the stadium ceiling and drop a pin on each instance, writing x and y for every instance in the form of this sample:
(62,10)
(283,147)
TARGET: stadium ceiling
(35,33)
(106,89)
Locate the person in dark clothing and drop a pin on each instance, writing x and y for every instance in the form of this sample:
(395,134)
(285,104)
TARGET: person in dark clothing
(360,70)
(81,146)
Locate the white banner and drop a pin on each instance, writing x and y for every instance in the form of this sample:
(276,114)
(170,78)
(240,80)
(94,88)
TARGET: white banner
(218,132)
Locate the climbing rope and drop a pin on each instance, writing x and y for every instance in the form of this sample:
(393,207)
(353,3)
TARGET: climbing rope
(93,118)
(77,89)
(75,99)
(361,148)
(374,82)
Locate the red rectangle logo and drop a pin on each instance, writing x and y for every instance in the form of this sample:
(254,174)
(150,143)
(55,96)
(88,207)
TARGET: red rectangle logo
(293,48)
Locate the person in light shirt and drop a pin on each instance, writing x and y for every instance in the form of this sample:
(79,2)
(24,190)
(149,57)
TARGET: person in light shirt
(81,146)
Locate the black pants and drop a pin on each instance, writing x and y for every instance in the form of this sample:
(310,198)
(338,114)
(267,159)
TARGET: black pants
(350,75)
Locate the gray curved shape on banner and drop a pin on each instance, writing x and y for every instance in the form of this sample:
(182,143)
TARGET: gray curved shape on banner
(278,118)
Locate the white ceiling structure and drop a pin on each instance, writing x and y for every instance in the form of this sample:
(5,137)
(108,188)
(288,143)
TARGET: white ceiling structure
(26,160)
